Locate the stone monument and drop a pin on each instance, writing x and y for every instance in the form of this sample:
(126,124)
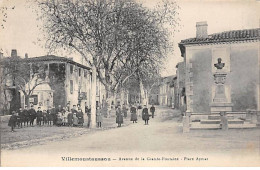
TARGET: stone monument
(220,102)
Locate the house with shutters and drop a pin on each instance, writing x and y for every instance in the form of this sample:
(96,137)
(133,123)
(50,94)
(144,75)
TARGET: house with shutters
(66,83)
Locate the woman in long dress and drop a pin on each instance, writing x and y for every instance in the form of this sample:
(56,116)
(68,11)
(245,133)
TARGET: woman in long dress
(99,117)
(70,118)
(80,117)
(119,117)
(133,114)
(75,120)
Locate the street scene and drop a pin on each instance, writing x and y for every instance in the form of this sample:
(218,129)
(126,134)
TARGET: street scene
(163,136)
(129,83)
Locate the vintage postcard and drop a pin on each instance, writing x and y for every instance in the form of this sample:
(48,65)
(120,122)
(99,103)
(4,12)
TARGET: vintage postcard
(130,83)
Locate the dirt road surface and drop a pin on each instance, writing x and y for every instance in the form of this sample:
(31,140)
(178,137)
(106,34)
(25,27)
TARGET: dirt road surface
(161,143)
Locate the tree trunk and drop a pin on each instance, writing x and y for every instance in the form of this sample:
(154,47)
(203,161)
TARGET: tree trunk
(27,101)
(122,97)
(142,93)
(93,97)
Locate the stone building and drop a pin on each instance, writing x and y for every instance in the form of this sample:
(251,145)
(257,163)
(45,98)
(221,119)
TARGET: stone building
(67,82)
(221,70)
(166,93)
(180,97)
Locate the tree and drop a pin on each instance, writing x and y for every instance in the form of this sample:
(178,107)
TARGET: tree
(22,76)
(113,36)
(5,7)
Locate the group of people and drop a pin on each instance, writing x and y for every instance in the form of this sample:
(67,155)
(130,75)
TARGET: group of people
(145,113)
(65,117)
(53,116)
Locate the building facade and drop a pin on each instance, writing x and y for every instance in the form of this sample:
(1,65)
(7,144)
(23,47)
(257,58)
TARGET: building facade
(180,97)
(238,88)
(65,83)
(166,91)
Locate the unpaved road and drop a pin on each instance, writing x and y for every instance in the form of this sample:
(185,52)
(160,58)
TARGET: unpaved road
(160,143)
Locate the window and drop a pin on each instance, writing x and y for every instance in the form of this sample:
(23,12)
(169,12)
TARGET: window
(71,69)
(71,86)
(79,72)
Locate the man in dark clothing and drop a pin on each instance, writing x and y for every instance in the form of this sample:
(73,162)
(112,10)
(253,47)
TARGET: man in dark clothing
(152,110)
(39,116)
(49,116)
(32,114)
(145,115)
(12,121)
(20,118)
(86,109)
(80,117)
(74,109)
(70,119)
(45,117)
(26,115)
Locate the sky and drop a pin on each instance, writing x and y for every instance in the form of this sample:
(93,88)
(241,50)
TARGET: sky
(21,31)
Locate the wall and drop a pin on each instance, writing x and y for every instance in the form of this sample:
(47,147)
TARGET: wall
(242,68)
(201,77)
(57,83)
(244,76)
(81,83)
(180,85)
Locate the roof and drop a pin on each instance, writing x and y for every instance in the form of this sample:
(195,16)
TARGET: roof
(45,58)
(227,36)
(168,79)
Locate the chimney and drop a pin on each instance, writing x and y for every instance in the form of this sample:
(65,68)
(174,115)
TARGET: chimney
(14,53)
(202,29)
(26,55)
(1,55)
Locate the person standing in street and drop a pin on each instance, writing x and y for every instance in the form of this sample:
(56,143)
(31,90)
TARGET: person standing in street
(75,119)
(59,118)
(49,115)
(26,115)
(70,117)
(119,117)
(12,121)
(139,109)
(99,117)
(32,114)
(20,118)
(39,116)
(44,116)
(80,117)
(57,111)
(89,116)
(86,108)
(152,110)
(133,114)
(145,115)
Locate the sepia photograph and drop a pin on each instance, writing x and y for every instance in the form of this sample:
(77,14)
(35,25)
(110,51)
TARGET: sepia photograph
(130,83)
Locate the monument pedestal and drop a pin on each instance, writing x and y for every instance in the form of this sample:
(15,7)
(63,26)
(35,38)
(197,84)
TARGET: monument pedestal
(220,102)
